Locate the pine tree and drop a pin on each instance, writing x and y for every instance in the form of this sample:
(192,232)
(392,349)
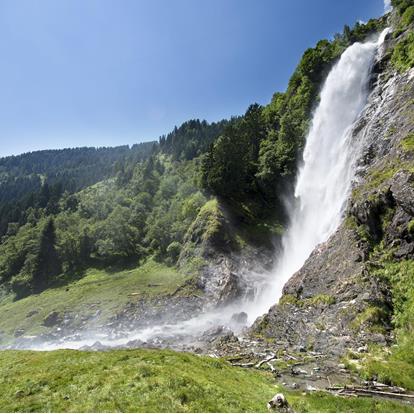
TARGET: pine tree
(47,262)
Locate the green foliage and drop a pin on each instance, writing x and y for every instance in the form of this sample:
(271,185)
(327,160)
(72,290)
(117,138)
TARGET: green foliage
(174,250)
(229,168)
(317,300)
(378,177)
(396,366)
(321,299)
(209,221)
(371,318)
(408,16)
(191,139)
(289,300)
(40,179)
(46,262)
(255,158)
(407,143)
(401,5)
(111,223)
(403,55)
(410,227)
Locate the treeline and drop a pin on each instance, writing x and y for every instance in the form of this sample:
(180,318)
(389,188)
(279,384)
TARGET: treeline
(38,179)
(191,139)
(255,158)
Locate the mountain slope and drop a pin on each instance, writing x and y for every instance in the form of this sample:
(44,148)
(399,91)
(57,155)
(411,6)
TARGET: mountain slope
(354,294)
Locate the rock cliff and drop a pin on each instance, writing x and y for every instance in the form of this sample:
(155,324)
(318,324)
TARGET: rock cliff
(336,301)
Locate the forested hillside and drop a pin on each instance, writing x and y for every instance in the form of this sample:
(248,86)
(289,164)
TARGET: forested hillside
(63,211)
(39,179)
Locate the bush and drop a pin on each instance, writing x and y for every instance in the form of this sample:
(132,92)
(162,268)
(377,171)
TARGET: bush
(174,250)
(408,16)
(403,55)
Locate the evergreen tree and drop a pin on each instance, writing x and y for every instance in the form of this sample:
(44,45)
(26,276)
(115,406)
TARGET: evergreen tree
(47,262)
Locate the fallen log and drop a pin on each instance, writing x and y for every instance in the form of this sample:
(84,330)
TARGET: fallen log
(369,392)
(268,359)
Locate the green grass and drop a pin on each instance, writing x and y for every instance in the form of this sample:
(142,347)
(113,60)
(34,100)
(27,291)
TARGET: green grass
(379,176)
(316,300)
(320,299)
(408,16)
(408,143)
(210,215)
(388,368)
(97,290)
(328,403)
(151,381)
(128,381)
(395,365)
(410,227)
(371,318)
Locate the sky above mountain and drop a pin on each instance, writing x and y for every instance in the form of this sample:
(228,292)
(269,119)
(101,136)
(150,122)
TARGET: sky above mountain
(106,72)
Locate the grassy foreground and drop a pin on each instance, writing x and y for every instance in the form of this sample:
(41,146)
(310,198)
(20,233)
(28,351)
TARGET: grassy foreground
(149,381)
(99,293)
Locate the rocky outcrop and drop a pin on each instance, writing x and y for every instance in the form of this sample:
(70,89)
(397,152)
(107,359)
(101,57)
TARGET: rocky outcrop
(224,255)
(336,302)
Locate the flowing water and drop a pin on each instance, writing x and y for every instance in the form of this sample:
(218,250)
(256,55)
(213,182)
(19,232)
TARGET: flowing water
(322,189)
(325,176)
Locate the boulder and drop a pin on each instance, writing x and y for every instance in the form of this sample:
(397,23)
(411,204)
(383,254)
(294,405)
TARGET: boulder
(279,404)
(52,319)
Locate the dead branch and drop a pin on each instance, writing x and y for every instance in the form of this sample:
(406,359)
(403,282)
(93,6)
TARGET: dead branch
(268,359)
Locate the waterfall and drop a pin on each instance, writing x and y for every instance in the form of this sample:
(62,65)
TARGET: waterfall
(325,175)
(322,189)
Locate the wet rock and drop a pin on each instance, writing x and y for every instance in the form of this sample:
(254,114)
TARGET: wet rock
(215,333)
(96,346)
(52,319)
(311,388)
(18,332)
(299,371)
(136,343)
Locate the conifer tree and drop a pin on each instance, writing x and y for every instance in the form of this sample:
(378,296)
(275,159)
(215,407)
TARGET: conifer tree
(47,262)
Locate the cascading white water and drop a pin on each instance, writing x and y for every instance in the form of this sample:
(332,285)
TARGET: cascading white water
(326,174)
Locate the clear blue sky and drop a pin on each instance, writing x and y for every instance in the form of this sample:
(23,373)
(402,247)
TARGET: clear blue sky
(112,72)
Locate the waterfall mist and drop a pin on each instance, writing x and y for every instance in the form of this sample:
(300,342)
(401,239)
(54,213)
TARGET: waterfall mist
(325,175)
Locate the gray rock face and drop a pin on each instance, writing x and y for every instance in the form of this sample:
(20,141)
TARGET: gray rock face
(52,319)
(224,275)
(335,302)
